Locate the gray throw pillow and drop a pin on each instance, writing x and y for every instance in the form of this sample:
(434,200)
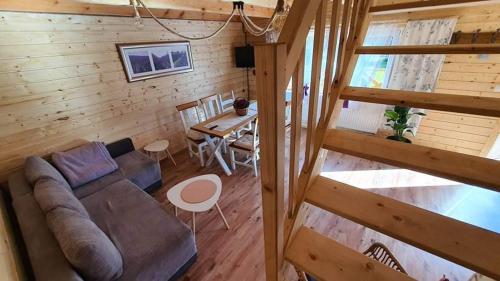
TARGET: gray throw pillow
(51,194)
(85,246)
(36,168)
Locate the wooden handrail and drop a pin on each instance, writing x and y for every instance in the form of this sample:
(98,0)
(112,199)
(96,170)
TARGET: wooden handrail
(485,106)
(295,30)
(440,235)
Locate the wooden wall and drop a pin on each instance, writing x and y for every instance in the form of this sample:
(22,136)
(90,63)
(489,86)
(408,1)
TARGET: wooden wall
(62,82)
(472,75)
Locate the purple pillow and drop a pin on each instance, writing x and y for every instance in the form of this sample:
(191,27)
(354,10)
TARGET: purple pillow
(84,163)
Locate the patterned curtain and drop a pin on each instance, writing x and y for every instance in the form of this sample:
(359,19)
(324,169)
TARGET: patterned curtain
(420,72)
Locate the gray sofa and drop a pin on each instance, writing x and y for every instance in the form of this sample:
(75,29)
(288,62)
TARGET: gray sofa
(153,244)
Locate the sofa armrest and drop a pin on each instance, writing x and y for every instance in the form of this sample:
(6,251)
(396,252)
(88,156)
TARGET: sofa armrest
(120,147)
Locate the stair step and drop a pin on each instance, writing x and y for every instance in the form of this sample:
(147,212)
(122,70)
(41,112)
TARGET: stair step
(453,103)
(430,49)
(325,259)
(423,5)
(465,168)
(451,239)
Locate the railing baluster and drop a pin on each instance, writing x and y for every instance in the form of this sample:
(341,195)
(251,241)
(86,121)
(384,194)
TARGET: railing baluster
(295,133)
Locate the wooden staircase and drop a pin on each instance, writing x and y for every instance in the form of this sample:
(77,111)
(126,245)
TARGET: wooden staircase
(286,238)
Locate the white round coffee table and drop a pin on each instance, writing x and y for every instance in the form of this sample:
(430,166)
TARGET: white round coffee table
(198,194)
(158,147)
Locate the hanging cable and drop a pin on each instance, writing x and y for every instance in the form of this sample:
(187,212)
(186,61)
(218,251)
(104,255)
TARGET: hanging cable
(185,36)
(250,26)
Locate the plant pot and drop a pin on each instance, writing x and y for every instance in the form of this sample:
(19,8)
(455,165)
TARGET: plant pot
(396,138)
(241,111)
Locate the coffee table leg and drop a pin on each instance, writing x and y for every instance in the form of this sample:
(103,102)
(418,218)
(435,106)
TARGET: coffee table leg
(221,215)
(194,226)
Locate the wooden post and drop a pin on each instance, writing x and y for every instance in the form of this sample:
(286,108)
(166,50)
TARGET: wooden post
(270,63)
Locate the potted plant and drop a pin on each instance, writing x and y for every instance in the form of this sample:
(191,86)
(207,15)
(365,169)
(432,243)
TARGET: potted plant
(241,106)
(398,119)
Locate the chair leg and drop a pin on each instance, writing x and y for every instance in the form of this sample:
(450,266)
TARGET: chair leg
(200,154)
(254,163)
(190,148)
(233,164)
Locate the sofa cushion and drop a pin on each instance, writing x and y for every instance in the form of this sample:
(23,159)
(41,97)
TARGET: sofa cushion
(84,163)
(85,246)
(98,184)
(47,259)
(139,168)
(51,194)
(36,168)
(154,244)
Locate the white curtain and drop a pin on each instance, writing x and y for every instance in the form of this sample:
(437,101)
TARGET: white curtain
(368,117)
(420,72)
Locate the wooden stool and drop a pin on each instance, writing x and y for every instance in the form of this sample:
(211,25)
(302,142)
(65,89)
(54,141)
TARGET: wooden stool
(198,194)
(155,149)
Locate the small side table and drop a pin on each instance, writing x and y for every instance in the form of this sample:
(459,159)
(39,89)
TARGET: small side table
(198,194)
(157,148)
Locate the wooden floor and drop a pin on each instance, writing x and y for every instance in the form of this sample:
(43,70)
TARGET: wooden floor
(238,254)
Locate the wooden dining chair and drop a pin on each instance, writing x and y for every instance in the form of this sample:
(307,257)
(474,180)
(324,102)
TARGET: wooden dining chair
(247,144)
(211,105)
(190,116)
(226,100)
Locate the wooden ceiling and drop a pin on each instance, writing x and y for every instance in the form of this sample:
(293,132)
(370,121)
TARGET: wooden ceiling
(181,9)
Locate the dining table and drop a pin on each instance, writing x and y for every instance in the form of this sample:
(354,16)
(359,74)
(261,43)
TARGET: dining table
(222,126)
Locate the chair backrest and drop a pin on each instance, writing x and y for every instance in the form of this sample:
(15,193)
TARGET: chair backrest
(226,100)
(190,114)
(211,106)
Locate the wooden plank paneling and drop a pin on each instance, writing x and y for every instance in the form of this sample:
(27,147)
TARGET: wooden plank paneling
(62,83)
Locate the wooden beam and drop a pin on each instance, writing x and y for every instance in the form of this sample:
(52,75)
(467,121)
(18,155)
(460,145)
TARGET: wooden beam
(442,163)
(325,259)
(114,8)
(425,5)
(456,241)
(453,103)
(430,49)
(270,76)
(439,13)
(294,32)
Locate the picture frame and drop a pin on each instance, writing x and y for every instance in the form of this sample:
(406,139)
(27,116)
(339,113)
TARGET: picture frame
(146,60)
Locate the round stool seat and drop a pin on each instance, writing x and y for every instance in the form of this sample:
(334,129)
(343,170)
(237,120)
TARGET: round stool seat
(198,194)
(157,146)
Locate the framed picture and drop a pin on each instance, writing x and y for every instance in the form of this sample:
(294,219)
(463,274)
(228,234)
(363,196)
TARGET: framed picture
(149,60)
